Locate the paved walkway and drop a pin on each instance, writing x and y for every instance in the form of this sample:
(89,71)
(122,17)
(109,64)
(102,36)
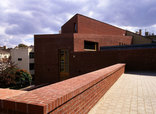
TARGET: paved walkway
(131,94)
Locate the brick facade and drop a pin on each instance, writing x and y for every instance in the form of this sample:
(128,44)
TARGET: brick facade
(88,25)
(47,69)
(91,26)
(135,59)
(68,27)
(102,40)
(46,56)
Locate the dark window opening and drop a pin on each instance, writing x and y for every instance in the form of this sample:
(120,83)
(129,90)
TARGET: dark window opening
(31,55)
(33,78)
(31,66)
(75,27)
(88,45)
(121,44)
(19,59)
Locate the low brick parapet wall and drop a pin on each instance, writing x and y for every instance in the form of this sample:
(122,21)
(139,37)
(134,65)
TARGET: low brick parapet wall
(8,93)
(75,95)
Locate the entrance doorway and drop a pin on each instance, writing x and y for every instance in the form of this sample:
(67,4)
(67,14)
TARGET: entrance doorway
(64,64)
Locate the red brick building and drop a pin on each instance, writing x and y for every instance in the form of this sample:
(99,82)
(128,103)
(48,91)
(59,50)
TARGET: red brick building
(56,54)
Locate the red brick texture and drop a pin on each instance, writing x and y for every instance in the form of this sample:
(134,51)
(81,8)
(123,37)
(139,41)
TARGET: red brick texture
(75,95)
(46,56)
(102,40)
(7,93)
(68,27)
(92,26)
(88,25)
(47,52)
(135,60)
(47,49)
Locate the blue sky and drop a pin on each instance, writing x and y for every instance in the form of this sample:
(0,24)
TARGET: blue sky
(21,19)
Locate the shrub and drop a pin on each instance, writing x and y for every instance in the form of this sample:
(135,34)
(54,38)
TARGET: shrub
(7,77)
(15,78)
(23,78)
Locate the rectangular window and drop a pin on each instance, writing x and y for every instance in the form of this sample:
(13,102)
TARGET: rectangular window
(31,66)
(19,59)
(64,60)
(90,46)
(64,63)
(31,55)
(75,27)
(121,44)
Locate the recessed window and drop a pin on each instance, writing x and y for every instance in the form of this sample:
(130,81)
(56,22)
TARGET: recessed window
(64,60)
(75,27)
(19,59)
(121,44)
(31,55)
(90,46)
(31,66)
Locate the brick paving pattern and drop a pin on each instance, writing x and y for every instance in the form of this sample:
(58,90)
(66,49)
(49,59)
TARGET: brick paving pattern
(131,94)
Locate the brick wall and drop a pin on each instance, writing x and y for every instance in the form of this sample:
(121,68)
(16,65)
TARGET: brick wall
(46,56)
(68,27)
(102,40)
(92,26)
(135,59)
(7,93)
(138,59)
(84,62)
(75,95)
(88,25)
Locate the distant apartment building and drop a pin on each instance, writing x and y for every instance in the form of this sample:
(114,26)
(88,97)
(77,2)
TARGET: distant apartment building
(23,57)
(151,36)
(4,55)
(137,38)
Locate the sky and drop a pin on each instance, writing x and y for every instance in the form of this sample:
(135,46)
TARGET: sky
(21,19)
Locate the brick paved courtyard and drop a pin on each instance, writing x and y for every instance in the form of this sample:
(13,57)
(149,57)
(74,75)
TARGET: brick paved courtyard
(133,93)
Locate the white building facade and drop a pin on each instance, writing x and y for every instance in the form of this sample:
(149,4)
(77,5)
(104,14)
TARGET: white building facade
(4,55)
(23,58)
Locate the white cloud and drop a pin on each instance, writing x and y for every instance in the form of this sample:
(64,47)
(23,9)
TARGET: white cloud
(21,19)
(103,3)
(5,3)
(2,30)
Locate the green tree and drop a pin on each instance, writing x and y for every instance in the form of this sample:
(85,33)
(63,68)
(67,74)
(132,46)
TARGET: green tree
(7,77)
(22,78)
(13,77)
(22,45)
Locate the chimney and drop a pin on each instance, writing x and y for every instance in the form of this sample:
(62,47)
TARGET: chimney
(146,33)
(60,31)
(4,47)
(136,32)
(140,31)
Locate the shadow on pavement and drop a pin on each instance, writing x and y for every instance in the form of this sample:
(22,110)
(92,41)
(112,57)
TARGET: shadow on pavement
(145,73)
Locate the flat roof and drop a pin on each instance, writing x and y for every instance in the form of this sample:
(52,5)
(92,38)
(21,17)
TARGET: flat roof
(132,93)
